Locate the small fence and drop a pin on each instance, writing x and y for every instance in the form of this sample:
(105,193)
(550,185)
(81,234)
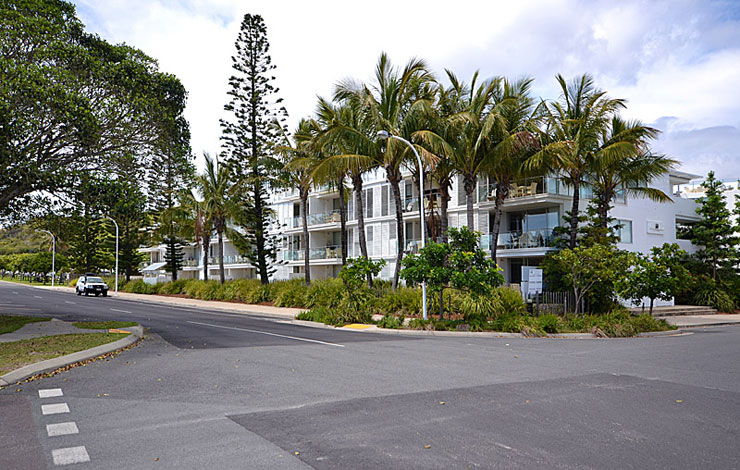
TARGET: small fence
(559,303)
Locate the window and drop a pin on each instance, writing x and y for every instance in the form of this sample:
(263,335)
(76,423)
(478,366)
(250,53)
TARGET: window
(367,194)
(369,240)
(384,199)
(392,231)
(623,230)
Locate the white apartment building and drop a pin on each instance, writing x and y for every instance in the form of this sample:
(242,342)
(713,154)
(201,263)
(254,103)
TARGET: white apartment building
(535,207)
(731,191)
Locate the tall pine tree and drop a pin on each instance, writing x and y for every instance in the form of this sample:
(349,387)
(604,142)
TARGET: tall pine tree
(249,138)
(714,232)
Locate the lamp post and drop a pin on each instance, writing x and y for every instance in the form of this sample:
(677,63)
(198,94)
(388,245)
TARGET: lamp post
(53,255)
(116,224)
(382,135)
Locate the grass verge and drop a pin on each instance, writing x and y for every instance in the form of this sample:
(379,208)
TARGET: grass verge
(21,353)
(28,283)
(10,323)
(103,325)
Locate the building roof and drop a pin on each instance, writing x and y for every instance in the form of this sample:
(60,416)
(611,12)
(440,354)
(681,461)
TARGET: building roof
(154,266)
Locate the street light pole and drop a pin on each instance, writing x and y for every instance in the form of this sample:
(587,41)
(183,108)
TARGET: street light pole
(116,224)
(387,135)
(53,255)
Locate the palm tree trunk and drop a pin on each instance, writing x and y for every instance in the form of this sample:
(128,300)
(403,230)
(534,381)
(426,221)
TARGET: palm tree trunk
(394,179)
(221,270)
(502,191)
(469,185)
(306,251)
(206,249)
(357,183)
(444,190)
(574,211)
(343,221)
(603,201)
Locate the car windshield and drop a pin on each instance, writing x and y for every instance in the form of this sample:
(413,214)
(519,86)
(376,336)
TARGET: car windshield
(95,279)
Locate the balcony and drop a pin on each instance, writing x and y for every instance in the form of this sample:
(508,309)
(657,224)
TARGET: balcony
(232,259)
(318,219)
(190,262)
(534,186)
(521,240)
(325,252)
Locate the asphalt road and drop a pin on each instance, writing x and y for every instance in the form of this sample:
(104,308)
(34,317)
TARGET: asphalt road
(222,391)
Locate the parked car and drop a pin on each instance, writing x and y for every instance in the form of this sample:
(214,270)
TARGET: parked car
(91,285)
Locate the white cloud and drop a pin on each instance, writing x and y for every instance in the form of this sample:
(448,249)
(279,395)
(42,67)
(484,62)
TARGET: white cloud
(668,58)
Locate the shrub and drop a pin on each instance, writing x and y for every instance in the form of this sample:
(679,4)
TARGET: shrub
(508,322)
(549,323)
(140,287)
(334,316)
(325,293)
(391,321)
(207,290)
(707,292)
(402,301)
(290,293)
(480,307)
(318,314)
(175,287)
(511,301)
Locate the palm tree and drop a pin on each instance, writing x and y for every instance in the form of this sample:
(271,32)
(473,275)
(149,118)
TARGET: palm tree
(215,187)
(392,103)
(518,143)
(625,163)
(299,167)
(198,225)
(575,125)
(344,150)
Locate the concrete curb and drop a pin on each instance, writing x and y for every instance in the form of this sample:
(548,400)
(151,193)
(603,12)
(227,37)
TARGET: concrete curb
(50,364)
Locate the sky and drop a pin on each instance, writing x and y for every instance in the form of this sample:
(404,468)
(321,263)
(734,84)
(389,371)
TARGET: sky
(676,62)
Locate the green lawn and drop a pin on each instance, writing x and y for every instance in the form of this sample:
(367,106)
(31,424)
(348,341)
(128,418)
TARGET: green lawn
(103,325)
(21,353)
(28,283)
(10,323)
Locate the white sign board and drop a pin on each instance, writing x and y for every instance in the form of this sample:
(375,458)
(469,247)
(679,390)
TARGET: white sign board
(535,282)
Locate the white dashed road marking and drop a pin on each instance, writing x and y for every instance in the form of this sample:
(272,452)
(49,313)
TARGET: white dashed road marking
(269,334)
(61,429)
(122,311)
(68,302)
(69,455)
(54,409)
(38,296)
(50,393)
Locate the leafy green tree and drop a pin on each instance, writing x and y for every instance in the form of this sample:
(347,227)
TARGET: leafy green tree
(571,141)
(72,100)
(458,264)
(353,276)
(249,135)
(659,275)
(585,267)
(714,232)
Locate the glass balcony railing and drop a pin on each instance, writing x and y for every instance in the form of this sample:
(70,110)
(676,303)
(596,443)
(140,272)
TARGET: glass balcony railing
(231,259)
(318,219)
(411,205)
(532,187)
(325,252)
(529,239)
(190,262)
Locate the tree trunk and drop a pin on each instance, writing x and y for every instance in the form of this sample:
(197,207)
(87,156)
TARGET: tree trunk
(221,270)
(259,233)
(306,250)
(574,211)
(394,179)
(206,249)
(444,190)
(469,185)
(441,303)
(502,192)
(604,200)
(343,221)
(359,211)
(651,306)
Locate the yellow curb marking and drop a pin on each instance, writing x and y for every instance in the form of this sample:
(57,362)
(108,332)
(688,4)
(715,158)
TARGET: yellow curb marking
(357,326)
(116,330)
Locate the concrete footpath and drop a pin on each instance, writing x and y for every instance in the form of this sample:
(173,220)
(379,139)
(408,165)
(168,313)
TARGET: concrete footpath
(689,321)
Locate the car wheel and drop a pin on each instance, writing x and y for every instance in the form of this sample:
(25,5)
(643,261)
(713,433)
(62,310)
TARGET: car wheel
(97,294)
(86,293)
(78,291)
(105,294)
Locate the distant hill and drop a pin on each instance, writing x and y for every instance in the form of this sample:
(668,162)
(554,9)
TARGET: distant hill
(22,239)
